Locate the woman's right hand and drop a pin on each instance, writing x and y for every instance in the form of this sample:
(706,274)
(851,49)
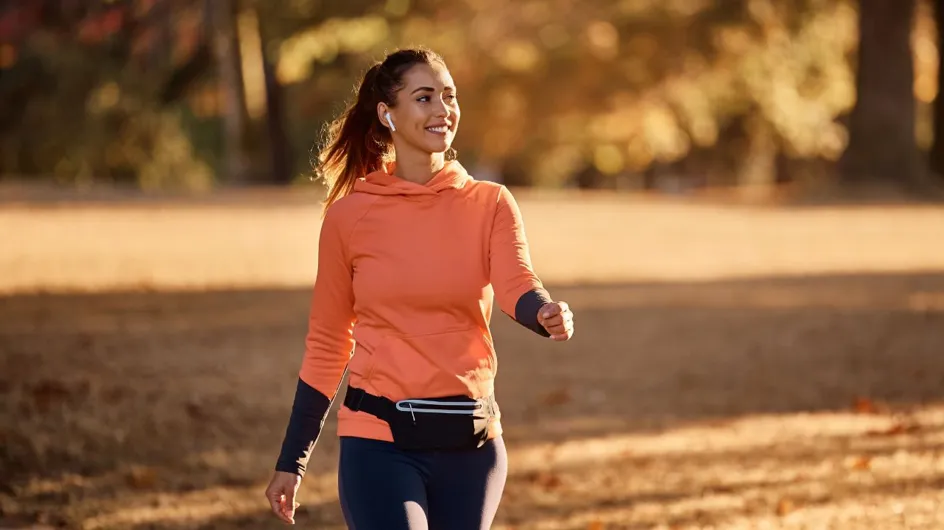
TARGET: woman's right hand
(281,495)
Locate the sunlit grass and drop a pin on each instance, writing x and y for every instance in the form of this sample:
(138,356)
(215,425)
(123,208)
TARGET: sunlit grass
(734,367)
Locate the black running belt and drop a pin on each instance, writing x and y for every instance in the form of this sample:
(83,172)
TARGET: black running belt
(358,399)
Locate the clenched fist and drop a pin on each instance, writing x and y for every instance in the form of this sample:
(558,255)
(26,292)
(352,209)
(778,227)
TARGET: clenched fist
(557,319)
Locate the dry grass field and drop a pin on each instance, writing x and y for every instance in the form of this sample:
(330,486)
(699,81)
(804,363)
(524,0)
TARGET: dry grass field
(734,367)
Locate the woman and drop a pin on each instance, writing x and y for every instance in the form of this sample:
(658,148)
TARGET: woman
(412,252)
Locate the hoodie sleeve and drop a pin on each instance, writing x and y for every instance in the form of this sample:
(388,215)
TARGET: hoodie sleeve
(328,347)
(330,339)
(518,290)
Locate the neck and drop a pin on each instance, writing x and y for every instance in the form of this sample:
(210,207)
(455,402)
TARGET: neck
(418,167)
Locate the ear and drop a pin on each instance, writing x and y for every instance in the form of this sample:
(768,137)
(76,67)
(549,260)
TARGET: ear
(382,110)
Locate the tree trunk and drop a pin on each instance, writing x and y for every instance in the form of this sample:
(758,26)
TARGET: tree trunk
(229,64)
(936,157)
(882,145)
(280,150)
(159,53)
(757,175)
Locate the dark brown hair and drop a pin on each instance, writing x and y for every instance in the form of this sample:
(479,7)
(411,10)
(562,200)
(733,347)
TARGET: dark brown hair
(356,143)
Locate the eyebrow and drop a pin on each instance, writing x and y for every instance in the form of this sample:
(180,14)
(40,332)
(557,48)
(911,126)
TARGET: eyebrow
(431,89)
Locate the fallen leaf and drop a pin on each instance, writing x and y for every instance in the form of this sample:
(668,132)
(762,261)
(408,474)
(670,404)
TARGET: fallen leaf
(864,405)
(862,463)
(544,479)
(702,516)
(142,477)
(195,410)
(48,392)
(896,429)
(556,397)
(784,507)
(551,482)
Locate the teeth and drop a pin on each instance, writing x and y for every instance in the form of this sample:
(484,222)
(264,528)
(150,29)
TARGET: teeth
(438,129)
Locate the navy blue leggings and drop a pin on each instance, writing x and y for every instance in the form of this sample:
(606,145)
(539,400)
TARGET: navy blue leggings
(384,488)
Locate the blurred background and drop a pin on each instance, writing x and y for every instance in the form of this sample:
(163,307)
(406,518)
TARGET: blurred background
(632,94)
(740,199)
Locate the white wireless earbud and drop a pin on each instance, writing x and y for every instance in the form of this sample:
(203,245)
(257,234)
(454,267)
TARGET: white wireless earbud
(389,121)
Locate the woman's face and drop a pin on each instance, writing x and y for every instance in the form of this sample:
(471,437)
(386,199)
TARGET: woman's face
(426,113)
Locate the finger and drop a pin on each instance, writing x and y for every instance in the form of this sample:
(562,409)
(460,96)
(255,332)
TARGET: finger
(289,505)
(550,310)
(285,515)
(554,321)
(564,307)
(564,335)
(275,500)
(274,504)
(562,332)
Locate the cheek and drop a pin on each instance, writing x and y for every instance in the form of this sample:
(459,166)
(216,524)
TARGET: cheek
(418,115)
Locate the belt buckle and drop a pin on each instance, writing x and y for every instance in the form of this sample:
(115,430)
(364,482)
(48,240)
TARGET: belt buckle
(357,399)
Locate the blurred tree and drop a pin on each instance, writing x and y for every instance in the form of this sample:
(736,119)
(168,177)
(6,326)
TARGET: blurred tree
(278,141)
(665,95)
(185,74)
(882,145)
(936,158)
(221,20)
(96,88)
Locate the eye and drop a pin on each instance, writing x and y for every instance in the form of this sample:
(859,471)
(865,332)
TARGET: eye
(451,97)
(424,99)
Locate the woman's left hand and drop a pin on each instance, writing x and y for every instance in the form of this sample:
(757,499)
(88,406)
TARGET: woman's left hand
(557,319)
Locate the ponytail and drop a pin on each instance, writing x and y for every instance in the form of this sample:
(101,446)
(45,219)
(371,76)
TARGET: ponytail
(356,146)
(356,143)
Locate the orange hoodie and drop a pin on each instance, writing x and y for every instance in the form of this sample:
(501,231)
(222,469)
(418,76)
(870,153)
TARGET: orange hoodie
(406,278)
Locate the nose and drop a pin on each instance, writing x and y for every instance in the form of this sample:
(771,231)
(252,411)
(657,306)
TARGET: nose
(442,110)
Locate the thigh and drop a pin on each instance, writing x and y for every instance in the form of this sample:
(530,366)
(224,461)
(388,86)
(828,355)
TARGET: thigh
(380,488)
(465,488)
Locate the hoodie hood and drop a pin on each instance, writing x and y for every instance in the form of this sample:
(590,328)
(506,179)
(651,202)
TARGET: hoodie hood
(383,182)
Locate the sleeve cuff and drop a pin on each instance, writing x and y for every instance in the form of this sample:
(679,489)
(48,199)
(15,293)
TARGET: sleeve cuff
(526,310)
(304,426)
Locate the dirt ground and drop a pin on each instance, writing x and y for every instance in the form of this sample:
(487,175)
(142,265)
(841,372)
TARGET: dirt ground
(733,368)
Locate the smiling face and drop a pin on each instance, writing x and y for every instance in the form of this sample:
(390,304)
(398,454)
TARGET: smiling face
(426,113)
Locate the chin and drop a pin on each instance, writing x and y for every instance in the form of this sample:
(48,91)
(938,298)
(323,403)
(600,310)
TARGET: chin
(438,148)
